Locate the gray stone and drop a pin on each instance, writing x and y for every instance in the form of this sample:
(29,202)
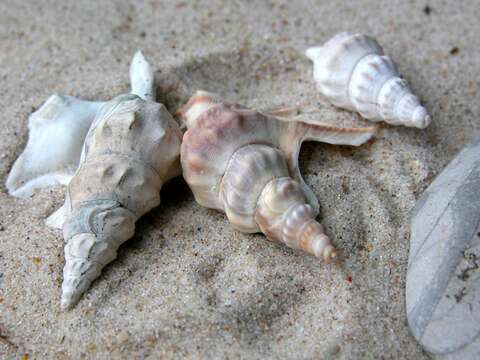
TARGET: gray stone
(443,279)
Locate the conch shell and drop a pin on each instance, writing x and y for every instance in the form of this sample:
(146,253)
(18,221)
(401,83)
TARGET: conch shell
(352,71)
(245,163)
(131,149)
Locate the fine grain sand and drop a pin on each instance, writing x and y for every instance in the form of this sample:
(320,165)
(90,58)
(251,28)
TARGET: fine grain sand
(188,285)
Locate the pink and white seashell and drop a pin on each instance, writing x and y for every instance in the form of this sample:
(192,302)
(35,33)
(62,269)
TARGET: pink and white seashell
(245,163)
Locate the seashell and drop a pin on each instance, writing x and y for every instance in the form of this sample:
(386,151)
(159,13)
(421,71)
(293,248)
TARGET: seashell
(245,163)
(57,132)
(352,71)
(131,149)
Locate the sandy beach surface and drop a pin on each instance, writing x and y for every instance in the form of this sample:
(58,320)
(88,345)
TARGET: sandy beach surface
(188,285)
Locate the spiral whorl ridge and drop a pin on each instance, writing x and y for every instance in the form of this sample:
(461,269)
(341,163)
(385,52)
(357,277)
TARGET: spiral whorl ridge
(130,151)
(93,234)
(352,72)
(259,195)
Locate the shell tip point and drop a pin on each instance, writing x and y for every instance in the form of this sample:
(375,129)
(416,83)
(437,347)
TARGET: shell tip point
(139,59)
(420,118)
(330,254)
(426,121)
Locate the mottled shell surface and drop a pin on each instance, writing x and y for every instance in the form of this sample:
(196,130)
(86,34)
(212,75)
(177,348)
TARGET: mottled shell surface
(123,150)
(221,128)
(209,146)
(245,163)
(352,71)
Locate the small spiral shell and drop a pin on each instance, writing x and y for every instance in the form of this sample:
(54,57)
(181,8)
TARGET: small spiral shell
(284,215)
(352,71)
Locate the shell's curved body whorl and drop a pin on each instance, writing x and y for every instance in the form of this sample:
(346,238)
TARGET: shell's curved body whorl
(352,71)
(209,145)
(131,149)
(245,164)
(249,170)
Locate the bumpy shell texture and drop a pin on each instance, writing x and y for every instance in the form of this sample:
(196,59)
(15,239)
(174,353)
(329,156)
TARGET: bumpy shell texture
(245,163)
(130,151)
(114,156)
(352,71)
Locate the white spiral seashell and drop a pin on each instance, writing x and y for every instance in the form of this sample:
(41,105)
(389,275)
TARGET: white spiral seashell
(352,71)
(245,164)
(131,149)
(129,153)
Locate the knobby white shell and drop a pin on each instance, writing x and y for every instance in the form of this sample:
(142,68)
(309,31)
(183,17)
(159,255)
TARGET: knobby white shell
(352,71)
(245,163)
(131,149)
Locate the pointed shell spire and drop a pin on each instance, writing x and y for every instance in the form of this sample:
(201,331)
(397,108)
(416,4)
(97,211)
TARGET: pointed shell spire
(142,78)
(352,71)
(245,164)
